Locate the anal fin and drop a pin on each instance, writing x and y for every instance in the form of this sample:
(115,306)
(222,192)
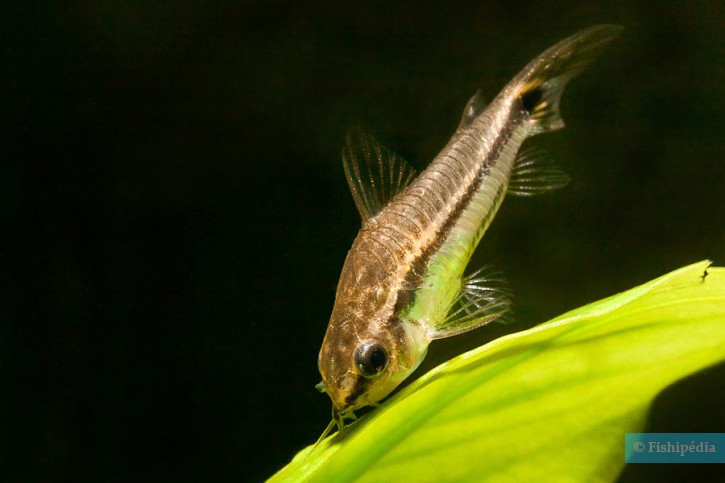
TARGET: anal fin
(484,297)
(535,173)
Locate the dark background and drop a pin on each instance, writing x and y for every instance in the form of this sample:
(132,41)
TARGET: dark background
(176,214)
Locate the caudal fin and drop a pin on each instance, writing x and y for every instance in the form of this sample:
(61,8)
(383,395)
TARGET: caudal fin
(540,85)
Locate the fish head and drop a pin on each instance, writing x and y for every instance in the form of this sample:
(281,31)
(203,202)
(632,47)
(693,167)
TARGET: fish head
(359,368)
(369,348)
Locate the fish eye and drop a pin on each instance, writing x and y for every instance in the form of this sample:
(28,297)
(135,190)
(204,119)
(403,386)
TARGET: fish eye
(370,358)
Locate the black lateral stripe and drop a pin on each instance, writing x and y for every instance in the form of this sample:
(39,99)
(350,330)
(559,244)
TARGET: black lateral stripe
(413,280)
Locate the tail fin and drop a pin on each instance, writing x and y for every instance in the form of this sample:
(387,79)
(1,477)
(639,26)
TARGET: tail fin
(540,85)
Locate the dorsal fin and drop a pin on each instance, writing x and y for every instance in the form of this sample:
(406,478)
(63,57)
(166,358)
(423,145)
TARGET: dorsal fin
(374,174)
(476,105)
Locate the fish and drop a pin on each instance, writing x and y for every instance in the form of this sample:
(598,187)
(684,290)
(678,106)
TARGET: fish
(403,282)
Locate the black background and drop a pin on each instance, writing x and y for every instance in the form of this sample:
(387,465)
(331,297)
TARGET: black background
(176,212)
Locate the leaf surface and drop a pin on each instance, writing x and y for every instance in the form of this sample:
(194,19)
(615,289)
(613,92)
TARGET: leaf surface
(548,404)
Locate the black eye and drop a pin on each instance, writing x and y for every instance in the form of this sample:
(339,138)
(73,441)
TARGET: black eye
(370,358)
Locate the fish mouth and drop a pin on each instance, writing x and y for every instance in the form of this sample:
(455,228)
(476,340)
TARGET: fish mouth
(340,415)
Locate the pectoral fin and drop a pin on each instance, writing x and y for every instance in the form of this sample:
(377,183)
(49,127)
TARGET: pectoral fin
(483,298)
(374,174)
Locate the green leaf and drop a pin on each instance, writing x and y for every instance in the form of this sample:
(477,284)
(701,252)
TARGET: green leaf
(555,400)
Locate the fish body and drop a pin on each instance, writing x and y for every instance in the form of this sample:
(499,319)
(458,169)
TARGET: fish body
(403,284)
